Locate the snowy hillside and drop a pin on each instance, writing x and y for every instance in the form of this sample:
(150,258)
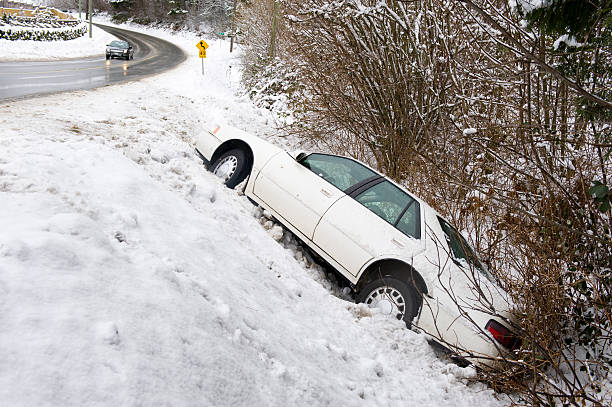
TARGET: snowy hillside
(131,276)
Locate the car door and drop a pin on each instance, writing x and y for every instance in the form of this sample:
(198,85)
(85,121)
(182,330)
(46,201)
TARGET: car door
(376,220)
(302,190)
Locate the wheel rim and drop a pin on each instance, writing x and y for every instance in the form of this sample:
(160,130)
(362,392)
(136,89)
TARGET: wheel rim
(388,300)
(226,168)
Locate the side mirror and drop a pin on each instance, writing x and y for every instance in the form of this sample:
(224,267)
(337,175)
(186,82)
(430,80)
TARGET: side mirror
(301,157)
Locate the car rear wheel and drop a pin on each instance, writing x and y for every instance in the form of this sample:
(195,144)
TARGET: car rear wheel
(231,167)
(393,298)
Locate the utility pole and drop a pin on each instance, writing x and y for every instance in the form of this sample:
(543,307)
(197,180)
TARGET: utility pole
(233,28)
(80,7)
(90,13)
(272,51)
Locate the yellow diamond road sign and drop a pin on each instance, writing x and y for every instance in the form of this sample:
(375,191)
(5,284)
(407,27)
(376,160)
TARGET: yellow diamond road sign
(202,45)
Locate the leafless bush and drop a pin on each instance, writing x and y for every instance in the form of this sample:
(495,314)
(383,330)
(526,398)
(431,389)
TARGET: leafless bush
(255,21)
(457,100)
(74,4)
(190,14)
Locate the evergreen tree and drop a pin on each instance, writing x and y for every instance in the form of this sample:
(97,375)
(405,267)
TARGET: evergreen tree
(583,47)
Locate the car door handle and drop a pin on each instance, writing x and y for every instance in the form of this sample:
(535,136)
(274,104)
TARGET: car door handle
(326,193)
(397,243)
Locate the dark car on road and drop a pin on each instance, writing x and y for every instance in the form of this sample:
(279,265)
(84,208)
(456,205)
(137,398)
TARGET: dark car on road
(119,49)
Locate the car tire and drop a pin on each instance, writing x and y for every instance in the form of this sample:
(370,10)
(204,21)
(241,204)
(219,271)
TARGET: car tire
(107,57)
(232,167)
(393,297)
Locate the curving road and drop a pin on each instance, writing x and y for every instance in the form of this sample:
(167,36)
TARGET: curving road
(151,55)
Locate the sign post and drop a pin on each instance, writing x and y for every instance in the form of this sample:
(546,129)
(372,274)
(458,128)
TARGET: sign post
(202,46)
(90,13)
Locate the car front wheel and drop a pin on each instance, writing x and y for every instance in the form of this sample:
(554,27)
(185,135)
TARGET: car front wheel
(231,167)
(392,297)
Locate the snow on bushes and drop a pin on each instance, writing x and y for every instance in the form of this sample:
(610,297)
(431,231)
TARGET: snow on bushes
(15,28)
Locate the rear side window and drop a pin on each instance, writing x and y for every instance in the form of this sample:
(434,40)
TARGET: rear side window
(410,222)
(394,206)
(341,172)
(460,248)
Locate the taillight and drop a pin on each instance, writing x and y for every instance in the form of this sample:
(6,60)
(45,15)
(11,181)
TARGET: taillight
(502,335)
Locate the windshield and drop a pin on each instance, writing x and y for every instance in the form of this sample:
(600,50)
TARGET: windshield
(119,44)
(460,248)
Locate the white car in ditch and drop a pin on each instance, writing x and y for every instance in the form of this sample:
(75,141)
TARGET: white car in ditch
(398,254)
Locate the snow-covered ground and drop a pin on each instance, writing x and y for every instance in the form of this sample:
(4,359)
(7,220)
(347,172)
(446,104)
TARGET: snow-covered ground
(130,276)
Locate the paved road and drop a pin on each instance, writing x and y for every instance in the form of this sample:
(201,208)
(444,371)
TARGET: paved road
(151,55)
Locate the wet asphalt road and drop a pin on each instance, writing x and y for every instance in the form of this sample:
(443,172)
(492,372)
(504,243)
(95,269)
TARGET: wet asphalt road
(151,55)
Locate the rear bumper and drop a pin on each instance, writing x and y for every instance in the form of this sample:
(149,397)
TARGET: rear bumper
(467,339)
(204,160)
(205,145)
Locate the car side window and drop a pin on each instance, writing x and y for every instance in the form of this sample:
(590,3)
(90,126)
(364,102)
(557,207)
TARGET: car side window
(410,222)
(341,172)
(394,206)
